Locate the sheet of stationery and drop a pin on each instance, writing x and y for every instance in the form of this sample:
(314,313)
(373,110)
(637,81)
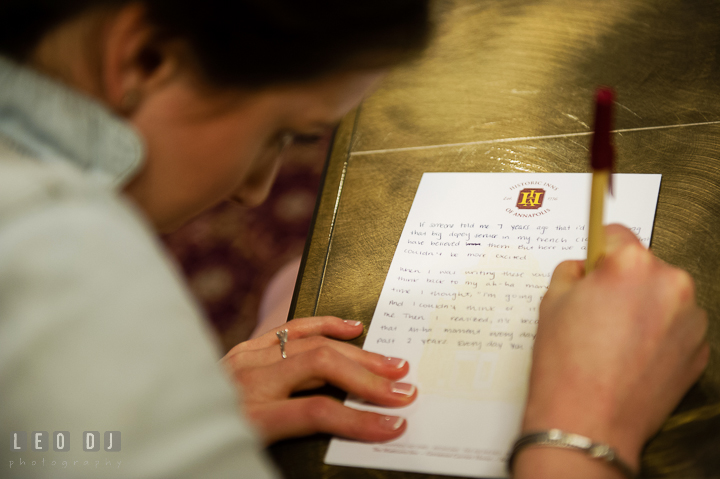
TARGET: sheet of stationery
(460,303)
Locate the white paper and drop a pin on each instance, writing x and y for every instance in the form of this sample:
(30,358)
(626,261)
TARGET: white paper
(460,303)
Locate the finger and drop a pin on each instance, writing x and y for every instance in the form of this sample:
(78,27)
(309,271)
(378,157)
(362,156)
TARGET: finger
(695,365)
(618,236)
(692,329)
(625,255)
(689,347)
(319,414)
(679,282)
(700,360)
(320,366)
(305,327)
(566,274)
(569,272)
(389,367)
(330,326)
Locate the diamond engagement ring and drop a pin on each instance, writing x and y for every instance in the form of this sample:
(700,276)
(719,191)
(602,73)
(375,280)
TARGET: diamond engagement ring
(283,337)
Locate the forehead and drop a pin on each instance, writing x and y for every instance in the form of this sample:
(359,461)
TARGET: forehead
(329,98)
(317,103)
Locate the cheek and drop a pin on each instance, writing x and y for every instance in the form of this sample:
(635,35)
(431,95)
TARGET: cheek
(192,165)
(203,159)
(216,157)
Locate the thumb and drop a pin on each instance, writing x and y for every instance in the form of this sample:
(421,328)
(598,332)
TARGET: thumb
(618,236)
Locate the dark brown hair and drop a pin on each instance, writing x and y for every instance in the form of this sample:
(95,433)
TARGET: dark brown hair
(252,42)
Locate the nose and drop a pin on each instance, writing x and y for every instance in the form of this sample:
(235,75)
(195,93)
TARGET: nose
(256,186)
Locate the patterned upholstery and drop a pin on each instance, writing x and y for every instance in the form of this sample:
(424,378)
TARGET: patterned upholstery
(229,254)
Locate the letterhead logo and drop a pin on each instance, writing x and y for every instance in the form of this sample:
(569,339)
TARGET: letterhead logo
(530,199)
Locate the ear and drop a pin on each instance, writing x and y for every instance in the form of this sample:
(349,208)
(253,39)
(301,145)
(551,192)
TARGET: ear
(133,64)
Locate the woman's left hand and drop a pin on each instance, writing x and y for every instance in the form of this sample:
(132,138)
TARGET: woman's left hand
(313,360)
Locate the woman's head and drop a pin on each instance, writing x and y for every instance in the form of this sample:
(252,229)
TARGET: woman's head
(215,87)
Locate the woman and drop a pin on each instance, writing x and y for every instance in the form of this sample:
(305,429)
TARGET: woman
(118,115)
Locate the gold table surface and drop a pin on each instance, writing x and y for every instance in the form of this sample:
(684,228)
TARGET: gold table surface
(507,86)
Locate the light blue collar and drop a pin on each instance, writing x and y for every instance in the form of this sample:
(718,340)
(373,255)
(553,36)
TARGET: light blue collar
(49,121)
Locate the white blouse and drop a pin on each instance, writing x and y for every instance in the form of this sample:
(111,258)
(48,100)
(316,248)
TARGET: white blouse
(98,333)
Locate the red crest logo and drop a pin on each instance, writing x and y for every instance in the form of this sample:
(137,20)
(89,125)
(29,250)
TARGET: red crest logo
(530,198)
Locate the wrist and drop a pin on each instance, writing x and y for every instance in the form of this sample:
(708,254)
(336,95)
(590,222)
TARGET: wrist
(592,422)
(555,463)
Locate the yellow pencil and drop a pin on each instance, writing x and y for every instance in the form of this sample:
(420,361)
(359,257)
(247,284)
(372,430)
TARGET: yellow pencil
(601,160)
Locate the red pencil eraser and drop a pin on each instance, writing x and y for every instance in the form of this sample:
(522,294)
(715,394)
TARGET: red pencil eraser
(601,152)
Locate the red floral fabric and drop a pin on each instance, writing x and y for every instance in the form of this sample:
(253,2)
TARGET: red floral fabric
(229,254)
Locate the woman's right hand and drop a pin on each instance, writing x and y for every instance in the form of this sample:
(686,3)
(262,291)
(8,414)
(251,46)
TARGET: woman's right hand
(615,352)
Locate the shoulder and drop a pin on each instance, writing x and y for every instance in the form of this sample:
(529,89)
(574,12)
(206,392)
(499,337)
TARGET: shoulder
(26,183)
(62,227)
(97,318)
(54,212)
(73,252)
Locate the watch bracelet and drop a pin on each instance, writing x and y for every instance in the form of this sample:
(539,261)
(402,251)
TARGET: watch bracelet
(561,439)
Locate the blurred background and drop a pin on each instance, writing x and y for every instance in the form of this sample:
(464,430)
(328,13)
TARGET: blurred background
(230,253)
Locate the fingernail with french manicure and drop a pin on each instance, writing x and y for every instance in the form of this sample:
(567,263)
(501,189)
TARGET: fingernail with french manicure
(353,323)
(403,389)
(396,363)
(391,423)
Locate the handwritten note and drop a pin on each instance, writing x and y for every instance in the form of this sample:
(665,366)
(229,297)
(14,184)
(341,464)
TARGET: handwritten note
(460,303)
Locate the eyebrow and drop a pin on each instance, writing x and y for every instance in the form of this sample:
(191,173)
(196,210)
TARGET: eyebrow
(326,124)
